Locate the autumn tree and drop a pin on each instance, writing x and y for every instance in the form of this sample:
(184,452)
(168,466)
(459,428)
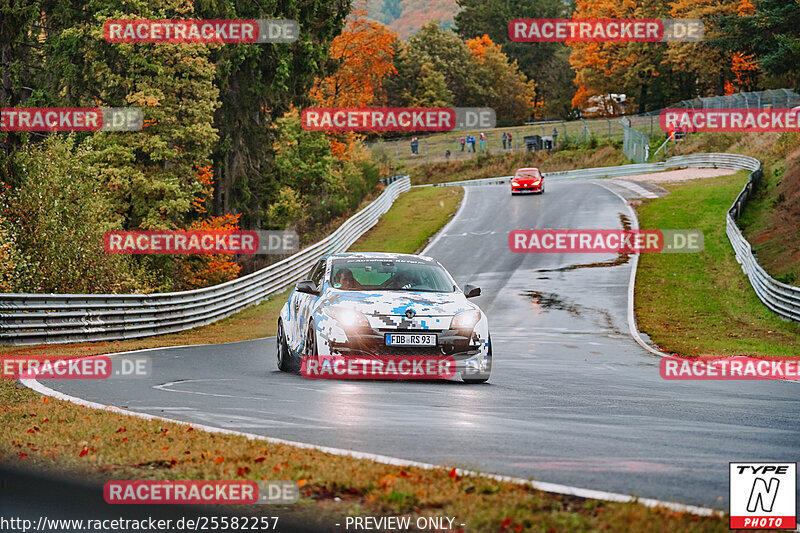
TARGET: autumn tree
(546,63)
(706,67)
(54,222)
(362,57)
(203,270)
(598,66)
(764,39)
(641,71)
(513,96)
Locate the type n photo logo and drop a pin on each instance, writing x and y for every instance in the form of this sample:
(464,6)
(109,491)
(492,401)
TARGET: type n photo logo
(763,495)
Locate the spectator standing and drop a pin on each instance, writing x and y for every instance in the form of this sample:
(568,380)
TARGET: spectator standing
(447,154)
(505,140)
(555,136)
(483,140)
(463,142)
(510,146)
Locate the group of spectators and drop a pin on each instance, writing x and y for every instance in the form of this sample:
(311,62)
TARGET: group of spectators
(468,143)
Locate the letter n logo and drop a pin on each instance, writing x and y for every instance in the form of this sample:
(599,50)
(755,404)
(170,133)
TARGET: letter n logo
(763,495)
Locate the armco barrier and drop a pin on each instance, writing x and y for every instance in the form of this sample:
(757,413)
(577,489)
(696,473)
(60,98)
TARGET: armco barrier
(733,161)
(779,297)
(62,318)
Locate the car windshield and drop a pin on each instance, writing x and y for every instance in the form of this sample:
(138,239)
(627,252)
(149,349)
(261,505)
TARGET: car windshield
(528,174)
(389,275)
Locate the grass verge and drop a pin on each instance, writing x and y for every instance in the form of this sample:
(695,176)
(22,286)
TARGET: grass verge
(429,208)
(771,220)
(702,304)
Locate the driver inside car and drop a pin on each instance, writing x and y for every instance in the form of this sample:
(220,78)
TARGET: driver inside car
(344,279)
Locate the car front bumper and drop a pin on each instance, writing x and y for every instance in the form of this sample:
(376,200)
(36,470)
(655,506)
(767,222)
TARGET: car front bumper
(527,188)
(464,346)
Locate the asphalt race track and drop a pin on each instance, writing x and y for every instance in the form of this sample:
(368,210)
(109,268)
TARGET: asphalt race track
(572,399)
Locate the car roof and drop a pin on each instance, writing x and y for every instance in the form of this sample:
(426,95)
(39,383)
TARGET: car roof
(379,255)
(527,168)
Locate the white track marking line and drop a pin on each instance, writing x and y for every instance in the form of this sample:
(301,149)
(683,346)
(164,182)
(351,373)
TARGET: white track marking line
(442,231)
(164,387)
(383,459)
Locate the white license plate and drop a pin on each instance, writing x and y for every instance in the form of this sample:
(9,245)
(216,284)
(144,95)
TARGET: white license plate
(410,339)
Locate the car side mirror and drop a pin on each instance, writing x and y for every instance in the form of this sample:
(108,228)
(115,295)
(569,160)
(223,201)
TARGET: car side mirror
(307,286)
(471,291)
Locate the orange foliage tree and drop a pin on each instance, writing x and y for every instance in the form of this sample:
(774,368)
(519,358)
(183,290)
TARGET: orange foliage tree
(744,66)
(599,67)
(204,270)
(364,52)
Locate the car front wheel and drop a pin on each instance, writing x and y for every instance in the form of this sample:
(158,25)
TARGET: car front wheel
(310,346)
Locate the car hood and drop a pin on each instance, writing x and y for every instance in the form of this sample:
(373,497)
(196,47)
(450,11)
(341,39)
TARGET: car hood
(387,309)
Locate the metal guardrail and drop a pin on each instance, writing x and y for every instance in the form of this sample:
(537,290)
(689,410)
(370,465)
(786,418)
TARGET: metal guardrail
(781,298)
(62,318)
(695,160)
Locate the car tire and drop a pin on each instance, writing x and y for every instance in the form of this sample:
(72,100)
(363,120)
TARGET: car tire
(310,345)
(486,375)
(282,357)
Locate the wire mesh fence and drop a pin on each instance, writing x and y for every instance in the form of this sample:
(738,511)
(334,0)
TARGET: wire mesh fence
(775,98)
(635,144)
(442,147)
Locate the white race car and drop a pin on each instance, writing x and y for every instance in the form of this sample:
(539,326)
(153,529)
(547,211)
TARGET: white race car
(381,304)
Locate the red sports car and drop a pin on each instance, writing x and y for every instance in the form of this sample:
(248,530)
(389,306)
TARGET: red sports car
(527,180)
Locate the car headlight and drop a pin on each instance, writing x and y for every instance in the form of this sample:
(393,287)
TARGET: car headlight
(515,183)
(349,318)
(465,319)
(537,181)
